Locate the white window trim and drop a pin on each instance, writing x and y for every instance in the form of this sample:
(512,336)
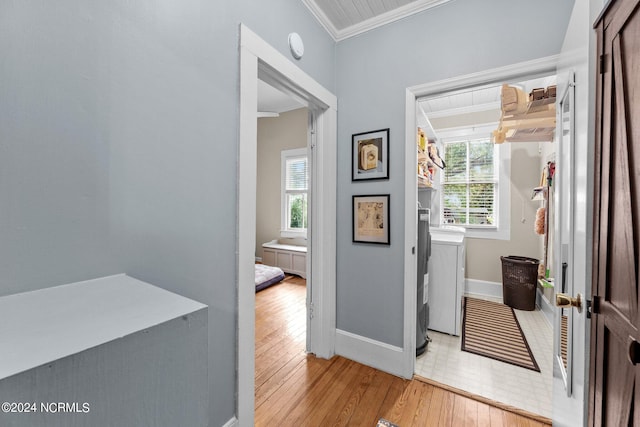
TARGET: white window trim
(284,155)
(503,229)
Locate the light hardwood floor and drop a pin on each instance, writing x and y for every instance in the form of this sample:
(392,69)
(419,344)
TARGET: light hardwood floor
(296,389)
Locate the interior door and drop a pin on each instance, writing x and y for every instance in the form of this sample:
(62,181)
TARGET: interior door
(614,388)
(569,265)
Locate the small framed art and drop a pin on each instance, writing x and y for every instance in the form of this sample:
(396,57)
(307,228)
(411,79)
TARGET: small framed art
(371,219)
(370,155)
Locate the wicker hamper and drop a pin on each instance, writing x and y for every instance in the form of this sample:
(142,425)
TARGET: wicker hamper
(519,278)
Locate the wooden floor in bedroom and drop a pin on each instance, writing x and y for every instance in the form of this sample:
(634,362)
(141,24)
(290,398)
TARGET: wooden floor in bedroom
(296,389)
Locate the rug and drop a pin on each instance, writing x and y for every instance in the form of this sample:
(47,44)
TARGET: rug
(492,330)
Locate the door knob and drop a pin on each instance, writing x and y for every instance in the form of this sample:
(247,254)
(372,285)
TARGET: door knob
(633,353)
(565,301)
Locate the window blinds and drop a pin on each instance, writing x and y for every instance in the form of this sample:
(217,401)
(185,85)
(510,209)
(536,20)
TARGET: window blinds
(296,174)
(469,183)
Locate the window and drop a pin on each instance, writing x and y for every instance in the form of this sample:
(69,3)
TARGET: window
(295,180)
(470,184)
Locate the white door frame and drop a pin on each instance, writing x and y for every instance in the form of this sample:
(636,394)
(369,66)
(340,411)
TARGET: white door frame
(528,69)
(260,60)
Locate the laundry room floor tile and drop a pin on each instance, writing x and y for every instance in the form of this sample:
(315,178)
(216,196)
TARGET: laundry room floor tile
(446,363)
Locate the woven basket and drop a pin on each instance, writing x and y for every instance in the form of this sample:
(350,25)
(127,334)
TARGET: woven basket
(519,281)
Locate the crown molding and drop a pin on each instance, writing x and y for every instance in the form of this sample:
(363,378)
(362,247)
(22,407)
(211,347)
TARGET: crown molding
(322,18)
(372,23)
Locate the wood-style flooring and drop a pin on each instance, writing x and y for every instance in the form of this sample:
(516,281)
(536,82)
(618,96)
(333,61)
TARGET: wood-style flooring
(296,389)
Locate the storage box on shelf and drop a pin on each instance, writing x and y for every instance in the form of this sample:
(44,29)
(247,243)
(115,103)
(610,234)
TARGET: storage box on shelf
(426,167)
(526,118)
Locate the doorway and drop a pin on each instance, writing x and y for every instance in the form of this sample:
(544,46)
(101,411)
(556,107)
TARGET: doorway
(260,61)
(282,201)
(448,343)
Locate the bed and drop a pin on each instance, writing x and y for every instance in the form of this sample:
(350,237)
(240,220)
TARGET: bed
(267,276)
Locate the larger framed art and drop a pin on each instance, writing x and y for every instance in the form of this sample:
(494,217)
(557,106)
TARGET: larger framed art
(371,219)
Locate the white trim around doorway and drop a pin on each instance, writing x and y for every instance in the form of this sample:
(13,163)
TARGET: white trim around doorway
(527,69)
(258,59)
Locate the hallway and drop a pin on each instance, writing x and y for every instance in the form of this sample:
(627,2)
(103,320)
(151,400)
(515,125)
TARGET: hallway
(295,389)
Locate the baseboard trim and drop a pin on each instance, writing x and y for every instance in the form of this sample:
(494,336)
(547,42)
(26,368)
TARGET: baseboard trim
(259,259)
(233,422)
(376,354)
(483,288)
(546,307)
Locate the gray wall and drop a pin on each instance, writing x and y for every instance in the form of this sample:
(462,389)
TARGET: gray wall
(275,134)
(118,147)
(54,150)
(374,69)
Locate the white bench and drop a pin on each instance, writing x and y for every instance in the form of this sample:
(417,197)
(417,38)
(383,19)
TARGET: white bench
(291,259)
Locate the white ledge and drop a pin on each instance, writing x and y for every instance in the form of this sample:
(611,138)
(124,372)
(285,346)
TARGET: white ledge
(42,326)
(293,248)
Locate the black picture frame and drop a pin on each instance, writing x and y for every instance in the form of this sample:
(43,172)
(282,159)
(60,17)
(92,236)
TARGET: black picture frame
(370,219)
(370,155)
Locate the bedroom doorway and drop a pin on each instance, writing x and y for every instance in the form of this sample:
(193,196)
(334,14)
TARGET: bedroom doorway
(260,61)
(283,199)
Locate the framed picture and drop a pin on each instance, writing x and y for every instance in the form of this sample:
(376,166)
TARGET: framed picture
(371,219)
(370,155)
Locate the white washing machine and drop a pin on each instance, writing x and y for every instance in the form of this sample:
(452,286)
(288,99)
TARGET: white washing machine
(446,279)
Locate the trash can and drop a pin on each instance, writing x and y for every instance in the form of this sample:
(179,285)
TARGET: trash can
(519,282)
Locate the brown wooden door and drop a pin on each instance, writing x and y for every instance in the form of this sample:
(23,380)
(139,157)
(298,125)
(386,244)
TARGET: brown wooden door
(614,377)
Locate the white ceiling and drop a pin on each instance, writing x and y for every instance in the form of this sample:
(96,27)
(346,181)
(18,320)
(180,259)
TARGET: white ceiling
(271,100)
(344,19)
(461,112)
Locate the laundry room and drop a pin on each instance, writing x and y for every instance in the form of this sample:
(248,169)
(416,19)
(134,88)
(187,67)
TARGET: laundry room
(483,182)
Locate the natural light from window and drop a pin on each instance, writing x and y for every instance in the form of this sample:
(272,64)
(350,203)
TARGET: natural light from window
(295,179)
(469,183)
